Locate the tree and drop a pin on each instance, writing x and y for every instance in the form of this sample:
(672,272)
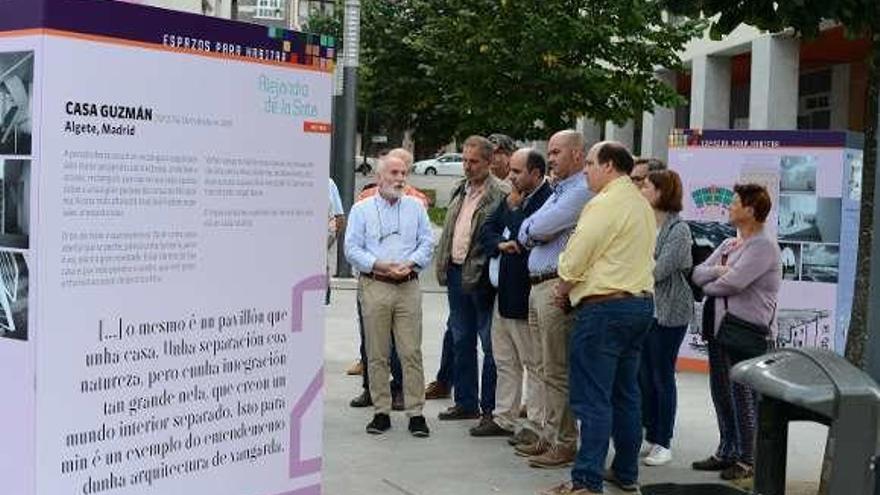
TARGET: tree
(525,67)
(453,68)
(806,17)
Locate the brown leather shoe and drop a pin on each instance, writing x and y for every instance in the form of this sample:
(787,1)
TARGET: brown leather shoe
(738,471)
(436,390)
(523,437)
(557,456)
(456,413)
(489,428)
(532,449)
(567,488)
(357,368)
(712,463)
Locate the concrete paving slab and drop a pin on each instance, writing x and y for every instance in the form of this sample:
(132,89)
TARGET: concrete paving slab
(452,463)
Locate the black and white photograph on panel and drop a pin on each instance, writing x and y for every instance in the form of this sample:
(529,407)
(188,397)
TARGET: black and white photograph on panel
(809,219)
(15,203)
(791,261)
(820,263)
(13,295)
(16,93)
(798,174)
(710,235)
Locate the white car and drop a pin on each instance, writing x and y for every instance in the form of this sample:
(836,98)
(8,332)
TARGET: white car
(445,164)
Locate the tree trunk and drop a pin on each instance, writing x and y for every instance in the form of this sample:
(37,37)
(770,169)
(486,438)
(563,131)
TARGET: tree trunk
(857,336)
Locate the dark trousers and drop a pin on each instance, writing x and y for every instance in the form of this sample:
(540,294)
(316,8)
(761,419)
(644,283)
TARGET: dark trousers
(471,315)
(446,373)
(396,370)
(606,344)
(734,408)
(657,381)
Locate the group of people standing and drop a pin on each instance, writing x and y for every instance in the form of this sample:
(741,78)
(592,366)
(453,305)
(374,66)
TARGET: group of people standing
(574,275)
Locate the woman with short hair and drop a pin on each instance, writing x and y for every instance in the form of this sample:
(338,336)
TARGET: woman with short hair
(742,278)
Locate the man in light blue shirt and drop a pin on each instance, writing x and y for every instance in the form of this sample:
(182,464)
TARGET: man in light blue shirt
(389,241)
(546,233)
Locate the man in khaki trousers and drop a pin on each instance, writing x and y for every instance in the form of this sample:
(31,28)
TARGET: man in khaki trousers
(546,233)
(389,241)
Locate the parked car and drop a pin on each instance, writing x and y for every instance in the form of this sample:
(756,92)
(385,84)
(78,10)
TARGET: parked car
(445,164)
(365,166)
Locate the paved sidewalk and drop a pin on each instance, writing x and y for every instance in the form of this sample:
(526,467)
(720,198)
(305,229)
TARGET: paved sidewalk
(452,463)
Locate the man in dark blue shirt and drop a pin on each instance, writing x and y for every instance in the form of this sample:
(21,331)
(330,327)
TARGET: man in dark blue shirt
(513,347)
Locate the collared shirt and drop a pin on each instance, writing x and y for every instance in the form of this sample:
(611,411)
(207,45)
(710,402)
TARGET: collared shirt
(335,201)
(525,202)
(461,236)
(547,231)
(612,247)
(381,231)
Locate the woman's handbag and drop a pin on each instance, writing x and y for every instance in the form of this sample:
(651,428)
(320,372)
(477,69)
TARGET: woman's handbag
(743,339)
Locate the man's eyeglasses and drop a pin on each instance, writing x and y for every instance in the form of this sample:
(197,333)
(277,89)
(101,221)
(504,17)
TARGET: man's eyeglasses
(638,180)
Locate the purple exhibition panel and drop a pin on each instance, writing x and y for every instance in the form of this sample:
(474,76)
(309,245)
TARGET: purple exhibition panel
(813,178)
(164,212)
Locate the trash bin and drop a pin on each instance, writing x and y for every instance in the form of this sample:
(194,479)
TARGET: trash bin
(814,385)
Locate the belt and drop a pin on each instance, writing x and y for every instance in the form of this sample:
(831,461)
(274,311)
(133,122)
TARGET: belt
(589,300)
(389,280)
(538,279)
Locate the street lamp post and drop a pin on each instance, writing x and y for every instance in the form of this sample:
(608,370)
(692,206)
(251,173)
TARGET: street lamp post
(348,123)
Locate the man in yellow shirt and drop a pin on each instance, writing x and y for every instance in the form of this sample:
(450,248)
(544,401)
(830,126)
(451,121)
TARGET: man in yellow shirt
(607,277)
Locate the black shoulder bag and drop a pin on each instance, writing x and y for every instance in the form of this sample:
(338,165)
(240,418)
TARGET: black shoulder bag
(743,339)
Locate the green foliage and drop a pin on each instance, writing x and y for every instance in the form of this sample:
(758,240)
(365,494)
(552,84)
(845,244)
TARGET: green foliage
(437,215)
(322,23)
(509,65)
(860,17)
(449,69)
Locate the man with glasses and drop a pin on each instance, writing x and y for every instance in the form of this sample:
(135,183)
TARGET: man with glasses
(644,166)
(389,241)
(606,273)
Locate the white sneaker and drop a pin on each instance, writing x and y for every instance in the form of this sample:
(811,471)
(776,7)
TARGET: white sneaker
(658,456)
(647,448)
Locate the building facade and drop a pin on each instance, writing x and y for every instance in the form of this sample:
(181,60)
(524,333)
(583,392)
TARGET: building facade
(282,13)
(755,80)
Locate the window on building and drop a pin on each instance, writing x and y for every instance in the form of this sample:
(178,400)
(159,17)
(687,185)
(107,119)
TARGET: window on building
(739,106)
(269,9)
(814,100)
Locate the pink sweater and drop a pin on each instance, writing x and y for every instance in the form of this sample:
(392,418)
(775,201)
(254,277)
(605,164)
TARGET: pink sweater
(751,283)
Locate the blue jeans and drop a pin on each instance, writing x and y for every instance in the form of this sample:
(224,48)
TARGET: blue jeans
(657,381)
(471,317)
(446,373)
(396,369)
(604,387)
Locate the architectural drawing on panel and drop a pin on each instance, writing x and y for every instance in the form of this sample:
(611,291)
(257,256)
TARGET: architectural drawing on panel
(805,328)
